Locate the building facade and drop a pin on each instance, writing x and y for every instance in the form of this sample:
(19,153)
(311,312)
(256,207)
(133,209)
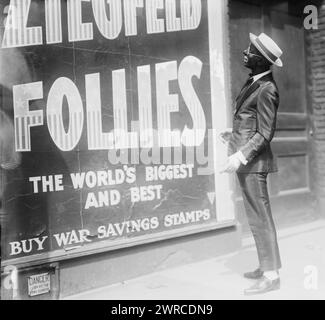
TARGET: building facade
(316,70)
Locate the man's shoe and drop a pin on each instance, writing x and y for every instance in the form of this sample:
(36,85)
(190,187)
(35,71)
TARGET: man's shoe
(257,274)
(263,285)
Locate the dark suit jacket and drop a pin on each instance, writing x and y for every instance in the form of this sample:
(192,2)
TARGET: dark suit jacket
(254,125)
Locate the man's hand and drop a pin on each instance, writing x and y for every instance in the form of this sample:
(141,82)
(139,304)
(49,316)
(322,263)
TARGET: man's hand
(232,164)
(225,135)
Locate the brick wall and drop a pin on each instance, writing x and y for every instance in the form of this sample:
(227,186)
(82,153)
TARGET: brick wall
(316,84)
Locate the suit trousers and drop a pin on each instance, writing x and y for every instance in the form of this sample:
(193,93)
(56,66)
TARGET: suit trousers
(259,216)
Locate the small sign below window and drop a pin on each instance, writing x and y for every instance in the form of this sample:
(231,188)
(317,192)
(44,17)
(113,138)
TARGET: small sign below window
(39,284)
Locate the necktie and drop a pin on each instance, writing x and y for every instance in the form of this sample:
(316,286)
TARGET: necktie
(245,87)
(248,83)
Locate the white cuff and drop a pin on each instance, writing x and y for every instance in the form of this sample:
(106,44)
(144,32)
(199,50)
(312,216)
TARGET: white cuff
(241,157)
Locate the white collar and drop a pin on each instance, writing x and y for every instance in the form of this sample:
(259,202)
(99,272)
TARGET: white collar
(261,75)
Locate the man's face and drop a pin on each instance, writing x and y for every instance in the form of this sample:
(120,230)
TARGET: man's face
(251,57)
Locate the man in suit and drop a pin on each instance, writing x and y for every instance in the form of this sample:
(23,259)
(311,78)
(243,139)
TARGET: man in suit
(250,155)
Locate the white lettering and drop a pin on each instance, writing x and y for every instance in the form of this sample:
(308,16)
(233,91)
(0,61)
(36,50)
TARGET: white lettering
(78,31)
(16,33)
(154,25)
(64,87)
(166,104)
(24,118)
(109,28)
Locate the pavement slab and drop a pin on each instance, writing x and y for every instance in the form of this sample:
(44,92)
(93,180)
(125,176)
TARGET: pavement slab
(302,251)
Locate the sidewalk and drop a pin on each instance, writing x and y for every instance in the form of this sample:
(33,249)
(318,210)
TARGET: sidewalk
(221,277)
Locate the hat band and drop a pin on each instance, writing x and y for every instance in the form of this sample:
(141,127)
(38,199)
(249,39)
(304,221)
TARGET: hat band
(267,51)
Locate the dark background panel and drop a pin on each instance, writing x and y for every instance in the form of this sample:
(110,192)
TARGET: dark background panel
(49,213)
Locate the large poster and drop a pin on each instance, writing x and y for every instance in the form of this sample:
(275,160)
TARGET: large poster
(109,106)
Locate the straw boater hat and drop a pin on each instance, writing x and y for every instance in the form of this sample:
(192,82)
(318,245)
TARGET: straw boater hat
(267,47)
